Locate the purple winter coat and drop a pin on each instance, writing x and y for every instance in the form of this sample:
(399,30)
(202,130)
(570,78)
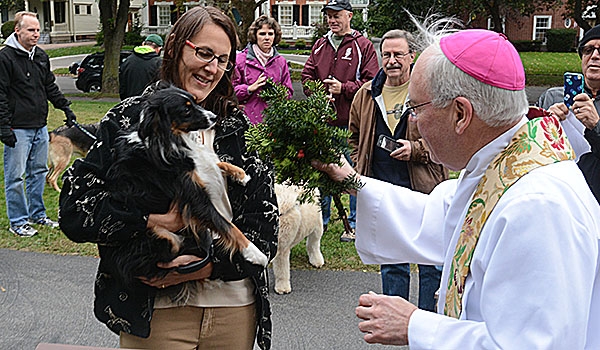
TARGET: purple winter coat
(247,71)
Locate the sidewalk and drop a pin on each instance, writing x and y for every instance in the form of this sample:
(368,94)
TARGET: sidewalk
(48,298)
(56,46)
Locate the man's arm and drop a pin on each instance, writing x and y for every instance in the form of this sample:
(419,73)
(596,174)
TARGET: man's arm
(309,71)
(354,124)
(367,71)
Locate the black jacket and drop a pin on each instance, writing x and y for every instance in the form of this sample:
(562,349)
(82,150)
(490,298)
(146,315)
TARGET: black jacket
(137,72)
(89,214)
(25,88)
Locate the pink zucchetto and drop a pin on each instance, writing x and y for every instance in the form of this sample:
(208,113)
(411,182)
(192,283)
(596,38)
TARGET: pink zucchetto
(486,56)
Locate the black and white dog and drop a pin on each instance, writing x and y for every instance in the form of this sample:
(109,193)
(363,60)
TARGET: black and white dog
(161,165)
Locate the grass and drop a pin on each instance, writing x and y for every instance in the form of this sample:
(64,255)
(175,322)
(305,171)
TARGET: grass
(547,68)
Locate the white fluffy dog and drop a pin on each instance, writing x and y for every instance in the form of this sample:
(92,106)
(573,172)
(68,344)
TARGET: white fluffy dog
(296,222)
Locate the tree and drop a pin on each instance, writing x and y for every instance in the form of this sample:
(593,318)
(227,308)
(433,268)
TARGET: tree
(245,14)
(17,5)
(577,9)
(497,11)
(113,18)
(386,15)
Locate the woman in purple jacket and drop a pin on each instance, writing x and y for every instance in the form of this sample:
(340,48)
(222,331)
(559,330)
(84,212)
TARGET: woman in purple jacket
(258,62)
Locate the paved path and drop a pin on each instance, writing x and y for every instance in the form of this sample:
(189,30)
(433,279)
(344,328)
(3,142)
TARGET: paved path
(48,299)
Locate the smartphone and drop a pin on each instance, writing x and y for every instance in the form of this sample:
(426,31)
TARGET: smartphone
(388,143)
(573,87)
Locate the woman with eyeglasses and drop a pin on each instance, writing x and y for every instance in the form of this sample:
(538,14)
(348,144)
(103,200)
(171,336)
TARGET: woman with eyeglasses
(257,63)
(228,308)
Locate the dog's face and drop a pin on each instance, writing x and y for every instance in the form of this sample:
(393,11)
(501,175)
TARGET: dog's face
(175,111)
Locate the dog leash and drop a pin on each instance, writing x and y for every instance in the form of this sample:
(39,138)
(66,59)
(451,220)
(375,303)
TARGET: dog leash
(84,130)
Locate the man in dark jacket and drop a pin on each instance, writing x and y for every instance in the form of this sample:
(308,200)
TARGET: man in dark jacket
(343,60)
(27,84)
(141,68)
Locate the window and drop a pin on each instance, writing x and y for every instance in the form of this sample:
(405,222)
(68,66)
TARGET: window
(541,24)
(285,15)
(491,26)
(83,9)
(316,16)
(164,15)
(59,12)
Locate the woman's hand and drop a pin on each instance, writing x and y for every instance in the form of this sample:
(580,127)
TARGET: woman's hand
(173,277)
(260,82)
(585,111)
(560,110)
(171,221)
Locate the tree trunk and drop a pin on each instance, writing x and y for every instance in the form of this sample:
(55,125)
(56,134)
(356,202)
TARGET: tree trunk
(114,22)
(246,8)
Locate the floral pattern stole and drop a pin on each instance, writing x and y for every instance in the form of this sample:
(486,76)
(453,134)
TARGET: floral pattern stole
(539,142)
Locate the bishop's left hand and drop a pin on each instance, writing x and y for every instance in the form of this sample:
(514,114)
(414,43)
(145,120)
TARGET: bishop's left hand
(384,318)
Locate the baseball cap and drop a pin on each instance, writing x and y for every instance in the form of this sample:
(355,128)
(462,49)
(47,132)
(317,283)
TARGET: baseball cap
(591,34)
(486,56)
(155,38)
(337,5)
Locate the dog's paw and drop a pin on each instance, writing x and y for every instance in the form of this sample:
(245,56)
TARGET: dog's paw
(316,261)
(254,255)
(283,287)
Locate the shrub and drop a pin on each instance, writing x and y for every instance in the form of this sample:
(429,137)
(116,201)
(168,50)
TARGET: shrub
(284,44)
(8,28)
(321,29)
(100,38)
(300,44)
(527,45)
(561,40)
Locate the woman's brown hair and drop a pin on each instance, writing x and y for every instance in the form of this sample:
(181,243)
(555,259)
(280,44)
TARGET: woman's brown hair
(261,21)
(187,26)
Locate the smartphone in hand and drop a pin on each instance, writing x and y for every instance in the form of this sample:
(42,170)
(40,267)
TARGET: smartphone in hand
(573,87)
(388,143)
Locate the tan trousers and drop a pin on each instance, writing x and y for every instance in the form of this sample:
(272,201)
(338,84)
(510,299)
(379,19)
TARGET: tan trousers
(189,327)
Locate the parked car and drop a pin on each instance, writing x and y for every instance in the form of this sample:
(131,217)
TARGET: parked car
(89,71)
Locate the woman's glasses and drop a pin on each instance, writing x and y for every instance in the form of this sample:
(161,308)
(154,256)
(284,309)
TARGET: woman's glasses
(208,56)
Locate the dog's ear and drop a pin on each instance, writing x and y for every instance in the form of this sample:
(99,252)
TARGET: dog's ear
(151,120)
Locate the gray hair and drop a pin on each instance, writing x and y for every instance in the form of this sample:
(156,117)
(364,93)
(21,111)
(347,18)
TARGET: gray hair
(444,81)
(399,34)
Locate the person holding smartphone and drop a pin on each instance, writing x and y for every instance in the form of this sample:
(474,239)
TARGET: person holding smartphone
(585,108)
(387,147)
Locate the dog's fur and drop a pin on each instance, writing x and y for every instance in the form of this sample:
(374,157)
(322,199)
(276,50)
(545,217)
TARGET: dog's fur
(159,165)
(64,142)
(296,222)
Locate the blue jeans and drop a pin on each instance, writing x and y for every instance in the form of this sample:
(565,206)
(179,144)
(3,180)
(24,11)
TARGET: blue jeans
(326,204)
(326,210)
(396,281)
(25,169)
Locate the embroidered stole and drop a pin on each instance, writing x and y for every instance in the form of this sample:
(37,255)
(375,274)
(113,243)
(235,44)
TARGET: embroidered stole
(539,142)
